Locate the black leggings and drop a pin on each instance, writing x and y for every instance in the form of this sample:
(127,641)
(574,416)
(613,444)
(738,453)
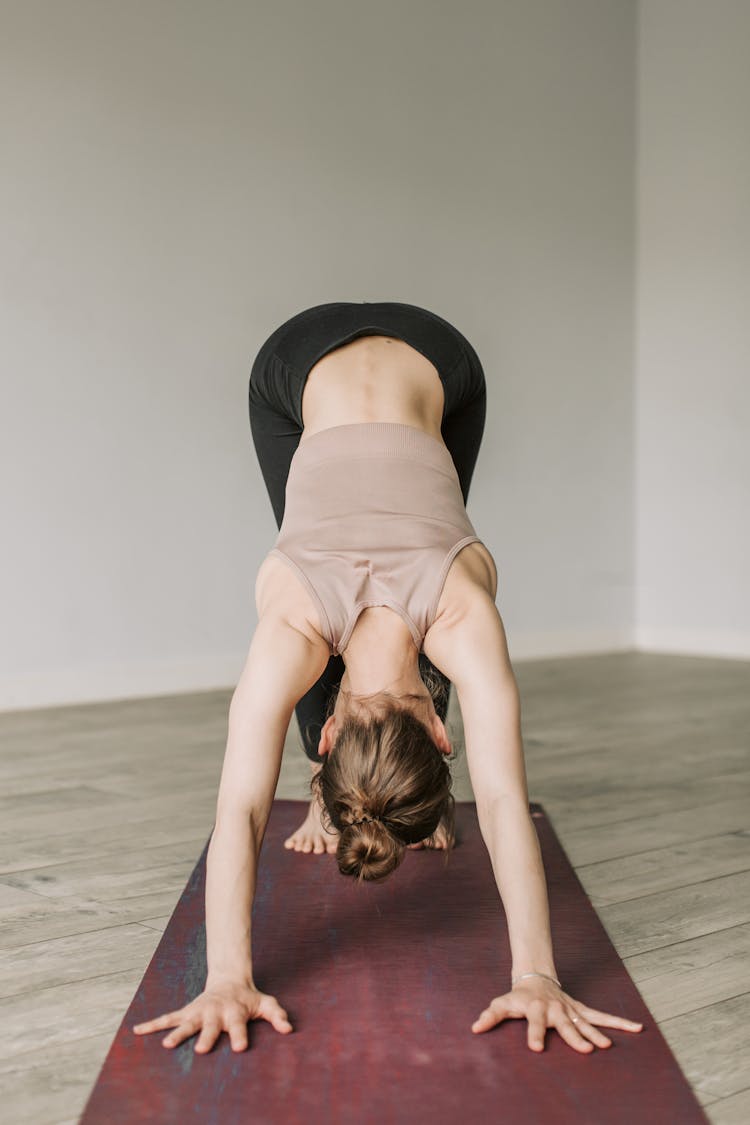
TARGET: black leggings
(277,380)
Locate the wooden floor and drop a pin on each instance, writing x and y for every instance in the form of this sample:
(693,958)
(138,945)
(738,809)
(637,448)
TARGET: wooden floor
(642,763)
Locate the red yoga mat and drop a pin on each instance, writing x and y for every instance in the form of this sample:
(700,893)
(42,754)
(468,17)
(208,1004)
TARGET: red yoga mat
(381,983)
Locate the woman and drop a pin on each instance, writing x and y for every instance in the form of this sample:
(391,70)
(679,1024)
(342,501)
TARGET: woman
(385,389)
(367,421)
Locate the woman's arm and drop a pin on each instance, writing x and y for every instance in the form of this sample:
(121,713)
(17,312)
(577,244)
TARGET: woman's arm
(472,650)
(282,664)
(474,647)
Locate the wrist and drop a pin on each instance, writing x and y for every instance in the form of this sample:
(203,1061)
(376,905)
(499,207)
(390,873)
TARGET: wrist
(533,965)
(217,977)
(532,974)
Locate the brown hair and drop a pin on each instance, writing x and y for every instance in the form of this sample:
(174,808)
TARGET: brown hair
(384,764)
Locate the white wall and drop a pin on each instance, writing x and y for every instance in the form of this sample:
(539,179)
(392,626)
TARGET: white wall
(181,177)
(693,327)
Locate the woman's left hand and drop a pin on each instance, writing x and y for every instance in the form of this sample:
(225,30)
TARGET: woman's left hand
(545,1005)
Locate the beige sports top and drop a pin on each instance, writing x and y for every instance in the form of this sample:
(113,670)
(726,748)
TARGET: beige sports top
(373,516)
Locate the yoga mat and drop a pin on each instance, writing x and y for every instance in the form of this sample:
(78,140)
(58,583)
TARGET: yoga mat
(382,983)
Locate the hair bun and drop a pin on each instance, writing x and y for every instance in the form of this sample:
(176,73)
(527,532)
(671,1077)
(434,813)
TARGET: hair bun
(369,856)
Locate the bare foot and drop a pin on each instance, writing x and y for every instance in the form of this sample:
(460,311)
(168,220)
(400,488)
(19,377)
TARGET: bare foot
(311,836)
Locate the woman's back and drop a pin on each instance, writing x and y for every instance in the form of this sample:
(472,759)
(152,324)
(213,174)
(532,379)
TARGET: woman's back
(373,379)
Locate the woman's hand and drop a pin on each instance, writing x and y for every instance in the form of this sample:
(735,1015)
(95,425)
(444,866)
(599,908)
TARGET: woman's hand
(545,1005)
(222,1006)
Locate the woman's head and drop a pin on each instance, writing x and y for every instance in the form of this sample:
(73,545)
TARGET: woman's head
(385,781)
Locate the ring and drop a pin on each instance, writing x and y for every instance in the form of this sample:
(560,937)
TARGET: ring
(575,1019)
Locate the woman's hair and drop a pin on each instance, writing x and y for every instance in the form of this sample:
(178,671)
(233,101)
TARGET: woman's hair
(384,764)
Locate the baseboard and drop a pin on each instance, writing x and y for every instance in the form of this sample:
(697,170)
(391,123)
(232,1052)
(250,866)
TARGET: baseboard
(541,646)
(106,683)
(693,642)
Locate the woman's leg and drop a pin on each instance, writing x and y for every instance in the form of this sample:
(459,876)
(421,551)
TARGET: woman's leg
(276,435)
(463,428)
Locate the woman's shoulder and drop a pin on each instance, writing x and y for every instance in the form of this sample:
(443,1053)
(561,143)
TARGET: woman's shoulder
(471,574)
(479,567)
(280,592)
(470,588)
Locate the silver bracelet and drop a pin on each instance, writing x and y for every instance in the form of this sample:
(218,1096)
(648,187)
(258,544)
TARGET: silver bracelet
(515,982)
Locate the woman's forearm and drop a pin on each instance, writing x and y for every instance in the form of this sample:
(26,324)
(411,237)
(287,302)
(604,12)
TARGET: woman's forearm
(231,871)
(511,839)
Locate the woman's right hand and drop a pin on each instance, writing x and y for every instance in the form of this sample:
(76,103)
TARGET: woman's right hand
(222,1006)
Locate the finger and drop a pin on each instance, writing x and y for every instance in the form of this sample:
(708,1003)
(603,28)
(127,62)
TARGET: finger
(184,1031)
(588,1030)
(606,1019)
(238,1035)
(537,1030)
(208,1036)
(489,1017)
(271,1010)
(568,1031)
(169,1019)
